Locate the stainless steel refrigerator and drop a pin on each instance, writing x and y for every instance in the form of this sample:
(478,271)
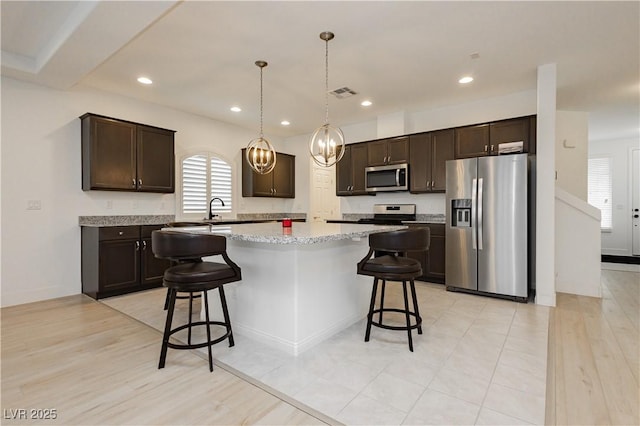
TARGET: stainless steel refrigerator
(486,232)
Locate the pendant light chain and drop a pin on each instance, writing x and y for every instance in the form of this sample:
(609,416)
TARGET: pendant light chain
(326,80)
(261,134)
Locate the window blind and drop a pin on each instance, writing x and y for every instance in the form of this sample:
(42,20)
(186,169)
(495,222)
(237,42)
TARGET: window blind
(600,189)
(220,184)
(194,184)
(204,177)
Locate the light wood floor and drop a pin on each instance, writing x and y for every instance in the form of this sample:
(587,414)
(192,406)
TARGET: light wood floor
(95,365)
(596,356)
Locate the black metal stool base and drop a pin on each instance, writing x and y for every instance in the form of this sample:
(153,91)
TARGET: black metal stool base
(408,313)
(168,331)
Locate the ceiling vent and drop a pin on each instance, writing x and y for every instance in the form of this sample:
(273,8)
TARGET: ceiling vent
(343,92)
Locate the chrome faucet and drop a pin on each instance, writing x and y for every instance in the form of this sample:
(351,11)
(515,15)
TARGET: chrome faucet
(211,204)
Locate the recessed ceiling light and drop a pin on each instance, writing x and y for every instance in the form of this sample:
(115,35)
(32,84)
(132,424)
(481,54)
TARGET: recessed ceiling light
(465,80)
(144,80)
(285,123)
(366,103)
(236,109)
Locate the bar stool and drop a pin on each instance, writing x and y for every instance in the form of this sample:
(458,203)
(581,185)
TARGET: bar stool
(191,296)
(192,275)
(391,263)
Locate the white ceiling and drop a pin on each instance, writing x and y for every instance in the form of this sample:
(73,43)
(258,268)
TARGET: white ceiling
(402,55)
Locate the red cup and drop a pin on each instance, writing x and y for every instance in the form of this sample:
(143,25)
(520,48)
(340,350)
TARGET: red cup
(286,223)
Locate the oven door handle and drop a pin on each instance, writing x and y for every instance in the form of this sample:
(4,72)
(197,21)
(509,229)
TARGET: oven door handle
(397,177)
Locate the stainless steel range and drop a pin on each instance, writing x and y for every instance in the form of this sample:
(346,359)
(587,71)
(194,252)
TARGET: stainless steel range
(391,214)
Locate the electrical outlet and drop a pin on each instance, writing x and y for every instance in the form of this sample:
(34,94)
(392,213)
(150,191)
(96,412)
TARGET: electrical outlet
(34,205)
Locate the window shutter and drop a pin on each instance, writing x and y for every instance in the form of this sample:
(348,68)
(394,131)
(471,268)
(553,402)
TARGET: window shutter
(194,184)
(600,189)
(220,184)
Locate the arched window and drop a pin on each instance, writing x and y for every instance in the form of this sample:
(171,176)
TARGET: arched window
(205,176)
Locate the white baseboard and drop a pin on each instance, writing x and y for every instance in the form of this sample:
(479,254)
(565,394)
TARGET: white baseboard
(620,267)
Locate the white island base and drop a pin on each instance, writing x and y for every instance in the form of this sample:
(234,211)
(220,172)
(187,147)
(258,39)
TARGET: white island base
(297,288)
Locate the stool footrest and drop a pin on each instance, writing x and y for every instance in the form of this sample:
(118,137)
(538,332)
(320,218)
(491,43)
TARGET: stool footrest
(199,345)
(395,327)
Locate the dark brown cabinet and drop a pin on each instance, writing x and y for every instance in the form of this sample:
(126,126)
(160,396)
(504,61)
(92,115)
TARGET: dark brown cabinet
(119,155)
(472,141)
(350,178)
(429,154)
(280,183)
(485,139)
(388,151)
(513,130)
(118,260)
(433,266)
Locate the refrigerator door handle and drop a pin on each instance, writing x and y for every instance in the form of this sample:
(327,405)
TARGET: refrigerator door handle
(474,190)
(480,220)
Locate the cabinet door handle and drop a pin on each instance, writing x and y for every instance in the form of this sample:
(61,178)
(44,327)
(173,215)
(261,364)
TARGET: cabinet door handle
(137,245)
(121,233)
(133,183)
(388,159)
(432,184)
(492,147)
(486,148)
(144,245)
(139,182)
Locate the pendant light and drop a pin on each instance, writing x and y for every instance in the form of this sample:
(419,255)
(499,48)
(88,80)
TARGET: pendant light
(260,153)
(327,143)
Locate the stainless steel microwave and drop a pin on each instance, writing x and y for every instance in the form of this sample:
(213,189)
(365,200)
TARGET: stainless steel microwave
(387,178)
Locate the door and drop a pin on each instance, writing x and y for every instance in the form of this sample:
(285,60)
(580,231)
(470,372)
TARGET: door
(155,159)
(635,202)
(461,254)
(472,141)
(441,152)
(420,166)
(284,176)
(324,203)
(344,173)
(502,225)
(113,154)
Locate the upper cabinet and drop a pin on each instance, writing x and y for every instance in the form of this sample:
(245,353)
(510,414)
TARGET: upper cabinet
(429,154)
(513,130)
(279,183)
(388,151)
(350,170)
(472,141)
(119,155)
(485,139)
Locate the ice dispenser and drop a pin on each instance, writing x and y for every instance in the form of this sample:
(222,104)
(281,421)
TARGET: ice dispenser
(461,213)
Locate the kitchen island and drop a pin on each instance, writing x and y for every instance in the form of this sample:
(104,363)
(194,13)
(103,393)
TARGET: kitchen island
(299,285)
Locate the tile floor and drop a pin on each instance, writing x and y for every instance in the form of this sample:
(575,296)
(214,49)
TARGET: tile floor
(479,361)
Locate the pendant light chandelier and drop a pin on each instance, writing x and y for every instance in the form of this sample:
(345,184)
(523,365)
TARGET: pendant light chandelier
(260,153)
(327,143)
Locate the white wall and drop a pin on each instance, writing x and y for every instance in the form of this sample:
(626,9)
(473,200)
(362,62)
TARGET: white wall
(572,145)
(618,241)
(42,161)
(577,246)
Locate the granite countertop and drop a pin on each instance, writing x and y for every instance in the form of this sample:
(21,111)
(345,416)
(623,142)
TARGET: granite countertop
(104,221)
(299,233)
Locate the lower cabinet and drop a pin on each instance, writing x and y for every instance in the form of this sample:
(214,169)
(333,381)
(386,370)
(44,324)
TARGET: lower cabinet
(118,260)
(432,261)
